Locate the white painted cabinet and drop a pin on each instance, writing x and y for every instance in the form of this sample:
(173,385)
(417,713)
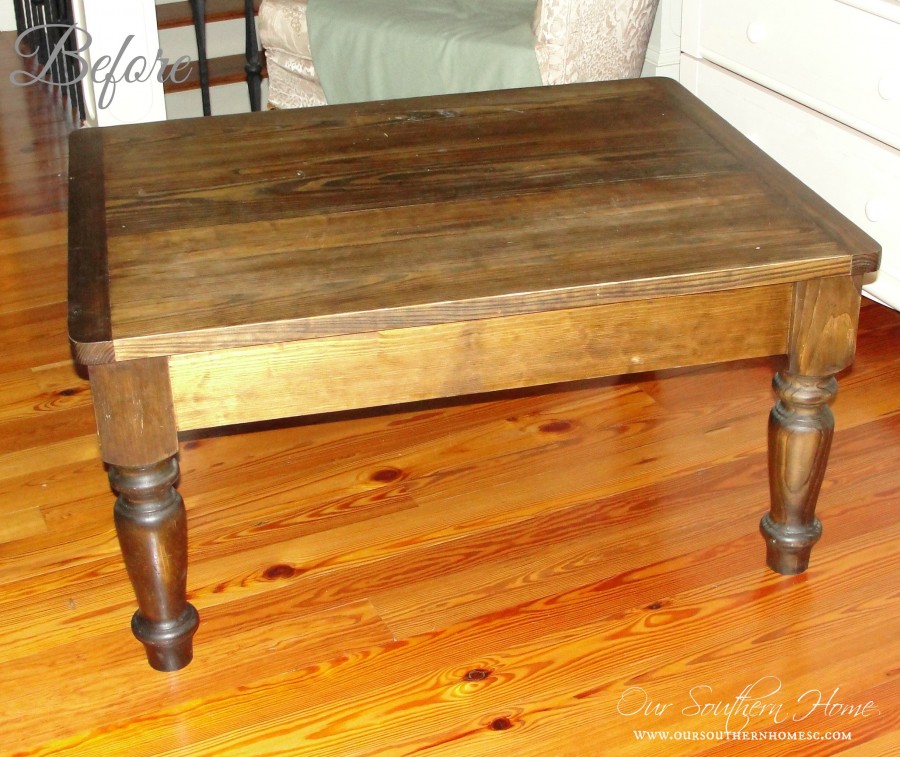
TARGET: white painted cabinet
(816,83)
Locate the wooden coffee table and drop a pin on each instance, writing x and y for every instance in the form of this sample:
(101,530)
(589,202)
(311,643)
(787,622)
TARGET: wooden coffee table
(243,268)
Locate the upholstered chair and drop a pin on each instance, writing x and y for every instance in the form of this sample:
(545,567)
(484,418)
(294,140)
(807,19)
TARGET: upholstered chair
(574,41)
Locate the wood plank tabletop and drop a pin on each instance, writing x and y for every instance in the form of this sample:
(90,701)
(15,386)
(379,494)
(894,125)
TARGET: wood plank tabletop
(211,233)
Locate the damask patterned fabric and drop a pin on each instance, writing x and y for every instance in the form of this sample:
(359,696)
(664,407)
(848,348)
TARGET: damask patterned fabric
(575,41)
(293,82)
(591,40)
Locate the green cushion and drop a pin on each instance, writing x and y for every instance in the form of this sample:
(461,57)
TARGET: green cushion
(386,49)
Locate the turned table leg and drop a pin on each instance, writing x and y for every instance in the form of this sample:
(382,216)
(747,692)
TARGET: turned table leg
(138,438)
(800,431)
(152,526)
(822,342)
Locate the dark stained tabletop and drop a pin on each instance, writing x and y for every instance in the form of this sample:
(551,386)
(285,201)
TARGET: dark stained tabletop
(210,233)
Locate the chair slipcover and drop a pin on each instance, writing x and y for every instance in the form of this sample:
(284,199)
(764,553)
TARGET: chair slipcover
(575,41)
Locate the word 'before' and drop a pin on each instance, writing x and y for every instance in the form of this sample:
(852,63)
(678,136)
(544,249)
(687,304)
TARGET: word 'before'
(69,64)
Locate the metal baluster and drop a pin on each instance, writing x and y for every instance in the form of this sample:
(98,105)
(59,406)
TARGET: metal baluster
(21,23)
(28,20)
(39,40)
(253,67)
(65,15)
(53,35)
(198,9)
(42,38)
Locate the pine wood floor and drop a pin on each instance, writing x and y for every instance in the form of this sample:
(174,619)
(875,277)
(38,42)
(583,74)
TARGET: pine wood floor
(539,573)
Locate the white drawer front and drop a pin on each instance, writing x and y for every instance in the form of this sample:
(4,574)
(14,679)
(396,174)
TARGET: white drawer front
(831,56)
(857,175)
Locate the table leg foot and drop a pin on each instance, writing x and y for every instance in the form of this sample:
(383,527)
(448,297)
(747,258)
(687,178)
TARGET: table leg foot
(169,645)
(152,527)
(801,427)
(788,549)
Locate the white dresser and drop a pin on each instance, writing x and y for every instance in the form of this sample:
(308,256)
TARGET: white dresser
(816,84)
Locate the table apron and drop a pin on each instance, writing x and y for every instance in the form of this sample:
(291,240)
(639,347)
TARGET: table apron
(287,379)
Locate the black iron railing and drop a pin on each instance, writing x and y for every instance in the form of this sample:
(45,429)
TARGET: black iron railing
(253,65)
(45,27)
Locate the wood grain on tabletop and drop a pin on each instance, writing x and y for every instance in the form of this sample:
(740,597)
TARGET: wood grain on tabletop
(534,180)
